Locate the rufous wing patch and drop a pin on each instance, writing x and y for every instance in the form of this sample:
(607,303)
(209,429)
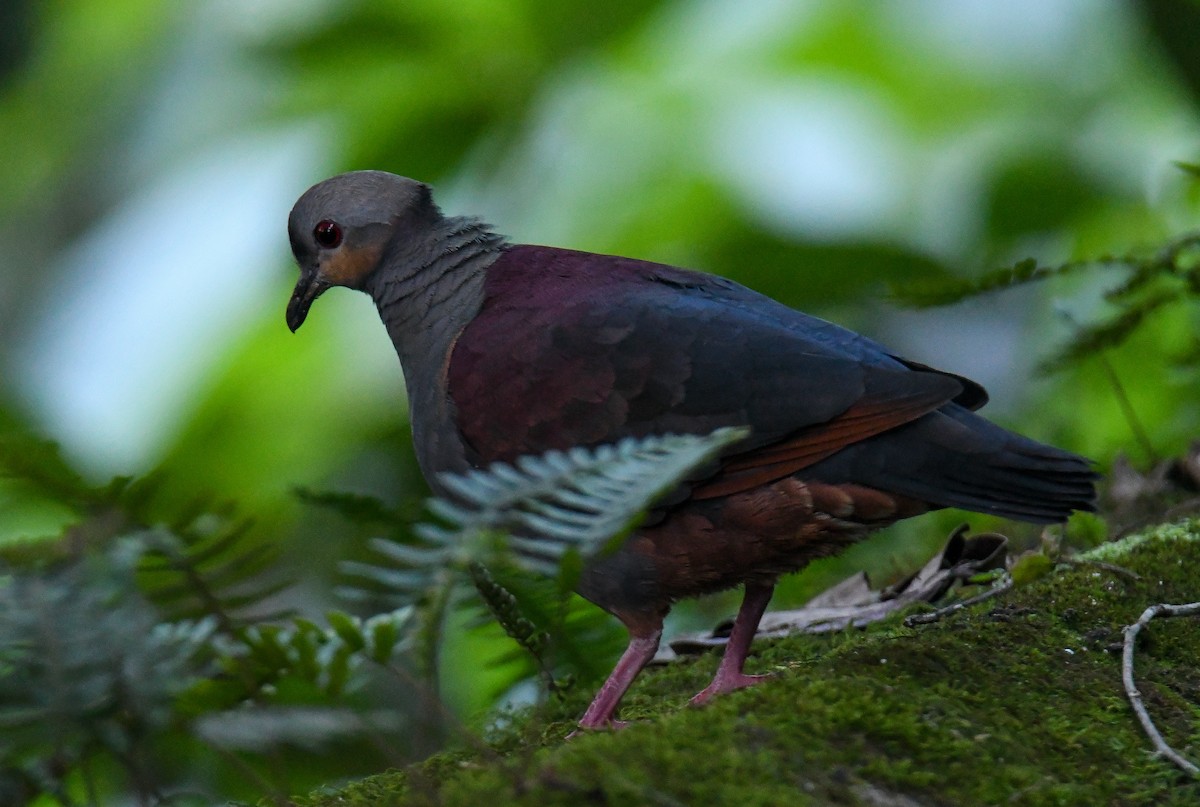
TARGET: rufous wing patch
(871,415)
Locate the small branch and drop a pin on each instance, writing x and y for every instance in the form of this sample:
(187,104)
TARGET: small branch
(1001,586)
(266,786)
(1131,417)
(89,781)
(1140,435)
(432,701)
(1135,697)
(1184,508)
(1120,571)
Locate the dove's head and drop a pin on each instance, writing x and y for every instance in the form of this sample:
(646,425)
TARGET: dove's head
(340,230)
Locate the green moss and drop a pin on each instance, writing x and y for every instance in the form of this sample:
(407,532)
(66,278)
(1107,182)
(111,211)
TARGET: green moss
(1014,701)
(1115,551)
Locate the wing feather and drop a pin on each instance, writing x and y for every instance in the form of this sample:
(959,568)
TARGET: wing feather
(572,349)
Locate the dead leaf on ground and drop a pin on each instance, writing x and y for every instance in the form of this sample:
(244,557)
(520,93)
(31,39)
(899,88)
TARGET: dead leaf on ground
(1166,491)
(853,603)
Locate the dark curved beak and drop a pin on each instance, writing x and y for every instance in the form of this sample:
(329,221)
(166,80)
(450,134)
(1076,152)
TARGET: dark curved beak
(308,288)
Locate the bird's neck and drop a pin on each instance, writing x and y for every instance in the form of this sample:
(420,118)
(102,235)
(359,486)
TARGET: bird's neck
(427,290)
(431,285)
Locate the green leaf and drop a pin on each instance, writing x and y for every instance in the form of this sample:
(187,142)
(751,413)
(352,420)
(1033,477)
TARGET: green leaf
(1192,169)
(546,514)
(348,629)
(570,568)
(337,670)
(267,646)
(1094,339)
(385,633)
(427,630)
(304,642)
(354,507)
(40,464)
(936,291)
(586,499)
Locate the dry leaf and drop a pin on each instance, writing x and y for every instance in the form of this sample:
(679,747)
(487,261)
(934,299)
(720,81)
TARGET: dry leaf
(1166,491)
(853,603)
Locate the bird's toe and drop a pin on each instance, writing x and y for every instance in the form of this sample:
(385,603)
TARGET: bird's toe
(727,683)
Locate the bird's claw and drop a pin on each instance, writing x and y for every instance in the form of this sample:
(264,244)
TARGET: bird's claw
(726,683)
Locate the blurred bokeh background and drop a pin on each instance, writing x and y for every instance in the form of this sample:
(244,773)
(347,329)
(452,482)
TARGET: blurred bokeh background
(815,151)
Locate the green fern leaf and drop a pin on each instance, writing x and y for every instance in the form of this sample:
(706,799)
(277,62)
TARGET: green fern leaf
(927,293)
(504,607)
(1096,338)
(212,567)
(545,514)
(583,499)
(354,507)
(1192,169)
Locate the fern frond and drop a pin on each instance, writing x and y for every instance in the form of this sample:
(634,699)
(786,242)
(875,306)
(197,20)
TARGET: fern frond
(1170,275)
(544,514)
(40,465)
(354,507)
(504,607)
(580,638)
(221,573)
(1105,335)
(427,631)
(404,582)
(314,728)
(586,500)
(543,510)
(85,661)
(927,293)
(1177,257)
(262,655)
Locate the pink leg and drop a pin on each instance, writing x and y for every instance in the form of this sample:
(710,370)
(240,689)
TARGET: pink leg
(729,674)
(600,714)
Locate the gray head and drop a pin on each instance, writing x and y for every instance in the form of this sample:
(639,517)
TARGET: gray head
(340,229)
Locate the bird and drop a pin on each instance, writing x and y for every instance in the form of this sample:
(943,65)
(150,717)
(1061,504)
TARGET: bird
(516,349)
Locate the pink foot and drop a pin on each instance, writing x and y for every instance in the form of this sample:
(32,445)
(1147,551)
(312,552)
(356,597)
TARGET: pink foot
(599,716)
(729,672)
(727,683)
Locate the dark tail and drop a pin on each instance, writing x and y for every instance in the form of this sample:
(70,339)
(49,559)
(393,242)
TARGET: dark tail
(955,458)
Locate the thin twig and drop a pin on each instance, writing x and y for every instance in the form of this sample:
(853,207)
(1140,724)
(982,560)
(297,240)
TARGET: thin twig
(1135,424)
(434,702)
(1135,697)
(265,785)
(1140,435)
(1184,508)
(1120,571)
(89,781)
(1001,586)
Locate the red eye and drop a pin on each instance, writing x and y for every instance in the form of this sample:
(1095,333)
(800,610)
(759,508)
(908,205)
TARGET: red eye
(327,234)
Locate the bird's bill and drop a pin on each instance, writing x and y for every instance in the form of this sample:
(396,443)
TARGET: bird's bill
(308,288)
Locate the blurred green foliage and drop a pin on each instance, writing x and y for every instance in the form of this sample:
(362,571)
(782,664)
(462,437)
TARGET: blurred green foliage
(819,152)
(140,631)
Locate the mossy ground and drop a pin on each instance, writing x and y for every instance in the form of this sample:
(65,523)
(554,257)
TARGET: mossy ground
(1015,701)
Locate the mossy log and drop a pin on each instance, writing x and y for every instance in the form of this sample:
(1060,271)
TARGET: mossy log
(1017,700)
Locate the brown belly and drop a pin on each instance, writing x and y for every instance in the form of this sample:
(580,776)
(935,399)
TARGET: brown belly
(706,546)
